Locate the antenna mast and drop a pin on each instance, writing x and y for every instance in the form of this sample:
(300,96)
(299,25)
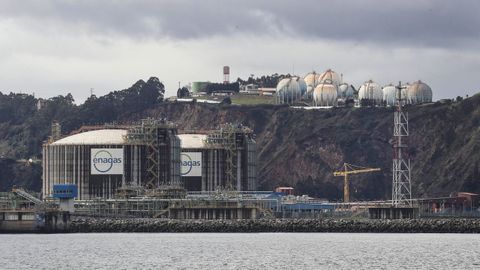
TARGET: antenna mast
(401,185)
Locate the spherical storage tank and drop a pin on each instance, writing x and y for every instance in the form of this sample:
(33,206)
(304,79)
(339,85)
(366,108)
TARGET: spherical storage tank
(312,79)
(290,89)
(303,85)
(370,91)
(419,92)
(332,76)
(346,90)
(325,94)
(389,94)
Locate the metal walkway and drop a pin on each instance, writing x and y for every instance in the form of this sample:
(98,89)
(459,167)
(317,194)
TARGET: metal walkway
(22,193)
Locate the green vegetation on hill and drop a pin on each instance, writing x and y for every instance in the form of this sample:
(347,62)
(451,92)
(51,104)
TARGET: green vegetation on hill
(20,173)
(269,81)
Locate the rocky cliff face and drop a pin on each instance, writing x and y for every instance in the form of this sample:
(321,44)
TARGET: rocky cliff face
(302,148)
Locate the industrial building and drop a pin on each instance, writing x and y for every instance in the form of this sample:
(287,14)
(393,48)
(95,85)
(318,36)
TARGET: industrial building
(150,155)
(227,159)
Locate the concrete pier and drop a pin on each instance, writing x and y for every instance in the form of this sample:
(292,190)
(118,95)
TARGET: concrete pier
(30,221)
(188,209)
(393,213)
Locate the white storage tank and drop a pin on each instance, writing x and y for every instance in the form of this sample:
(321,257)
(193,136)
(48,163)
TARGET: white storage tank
(330,75)
(371,92)
(333,77)
(419,92)
(389,92)
(325,94)
(312,79)
(290,89)
(346,91)
(303,85)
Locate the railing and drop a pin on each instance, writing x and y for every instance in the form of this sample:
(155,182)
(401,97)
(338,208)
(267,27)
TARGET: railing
(22,193)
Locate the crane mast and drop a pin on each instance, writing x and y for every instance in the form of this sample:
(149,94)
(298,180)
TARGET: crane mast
(347,170)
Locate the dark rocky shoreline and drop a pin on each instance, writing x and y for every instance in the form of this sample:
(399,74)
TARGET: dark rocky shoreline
(91,225)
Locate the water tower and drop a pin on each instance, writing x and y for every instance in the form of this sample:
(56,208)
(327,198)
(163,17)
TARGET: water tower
(226,74)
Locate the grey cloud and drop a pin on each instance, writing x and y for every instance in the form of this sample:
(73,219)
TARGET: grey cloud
(429,23)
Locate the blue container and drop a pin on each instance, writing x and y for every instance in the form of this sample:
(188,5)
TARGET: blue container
(65,191)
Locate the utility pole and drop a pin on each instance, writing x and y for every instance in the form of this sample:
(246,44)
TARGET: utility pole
(401,182)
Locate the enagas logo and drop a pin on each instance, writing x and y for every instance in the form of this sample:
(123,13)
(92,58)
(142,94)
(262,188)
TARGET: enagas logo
(188,164)
(103,161)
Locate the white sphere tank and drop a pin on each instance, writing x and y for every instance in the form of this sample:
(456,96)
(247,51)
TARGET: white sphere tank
(389,92)
(289,89)
(419,92)
(371,91)
(330,76)
(312,79)
(325,94)
(404,90)
(346,90)
(303,85)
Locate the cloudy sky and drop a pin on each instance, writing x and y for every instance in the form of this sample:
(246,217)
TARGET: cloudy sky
(54,47)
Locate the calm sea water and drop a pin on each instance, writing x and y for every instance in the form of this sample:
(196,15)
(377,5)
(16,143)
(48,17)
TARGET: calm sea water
(240,251)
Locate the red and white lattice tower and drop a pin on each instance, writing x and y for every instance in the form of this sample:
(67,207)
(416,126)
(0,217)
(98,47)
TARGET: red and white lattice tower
(401,185)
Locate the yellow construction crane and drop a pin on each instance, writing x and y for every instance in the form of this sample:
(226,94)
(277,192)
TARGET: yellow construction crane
(348,169)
